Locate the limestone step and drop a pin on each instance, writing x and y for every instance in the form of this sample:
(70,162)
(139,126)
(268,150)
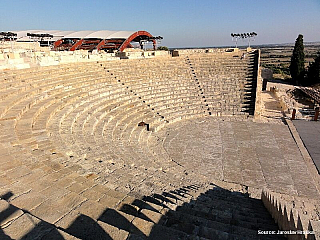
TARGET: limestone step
(23,225)
(193,220)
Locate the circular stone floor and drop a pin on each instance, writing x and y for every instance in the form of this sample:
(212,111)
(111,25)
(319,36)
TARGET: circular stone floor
(253,154)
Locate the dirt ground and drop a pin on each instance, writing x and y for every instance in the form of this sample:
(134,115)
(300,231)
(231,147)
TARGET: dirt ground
(280,99)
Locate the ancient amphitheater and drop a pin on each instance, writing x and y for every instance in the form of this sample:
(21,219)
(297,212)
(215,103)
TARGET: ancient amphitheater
(159,148)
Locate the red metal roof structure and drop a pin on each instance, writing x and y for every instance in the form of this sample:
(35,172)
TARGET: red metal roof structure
(90,40)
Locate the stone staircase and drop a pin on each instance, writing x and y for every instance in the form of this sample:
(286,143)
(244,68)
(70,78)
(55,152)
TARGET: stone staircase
(251,84)
(190,212)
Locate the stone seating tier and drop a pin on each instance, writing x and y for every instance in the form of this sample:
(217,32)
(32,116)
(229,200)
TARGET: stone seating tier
(77,124)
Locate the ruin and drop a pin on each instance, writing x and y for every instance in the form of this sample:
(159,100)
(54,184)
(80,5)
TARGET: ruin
(76,163)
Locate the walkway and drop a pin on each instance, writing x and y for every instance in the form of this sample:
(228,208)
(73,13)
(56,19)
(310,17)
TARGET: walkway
(310,134)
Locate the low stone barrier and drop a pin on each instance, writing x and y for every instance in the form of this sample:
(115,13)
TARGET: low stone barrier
(297,218)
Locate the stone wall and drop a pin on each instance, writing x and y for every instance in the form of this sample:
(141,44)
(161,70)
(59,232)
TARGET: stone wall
(199,50)
(258,103)
(16,55)
(140,54)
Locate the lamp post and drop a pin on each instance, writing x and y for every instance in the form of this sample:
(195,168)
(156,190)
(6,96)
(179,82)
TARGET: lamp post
(250,36)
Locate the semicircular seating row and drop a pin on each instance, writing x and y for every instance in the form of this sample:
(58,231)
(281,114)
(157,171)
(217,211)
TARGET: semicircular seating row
(87,114)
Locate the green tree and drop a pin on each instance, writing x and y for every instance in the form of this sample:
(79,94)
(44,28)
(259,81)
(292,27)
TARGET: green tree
(313,74)
(297,70)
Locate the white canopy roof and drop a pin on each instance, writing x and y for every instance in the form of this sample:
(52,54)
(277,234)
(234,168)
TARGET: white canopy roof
(103,34)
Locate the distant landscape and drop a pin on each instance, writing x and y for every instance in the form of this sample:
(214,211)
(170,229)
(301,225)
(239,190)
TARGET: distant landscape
(277,56)
(272,45)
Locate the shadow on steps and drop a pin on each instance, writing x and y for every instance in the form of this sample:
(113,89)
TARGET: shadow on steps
(185,213)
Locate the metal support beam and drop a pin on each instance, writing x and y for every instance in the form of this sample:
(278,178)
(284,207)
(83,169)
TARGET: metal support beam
(102,43)
(126,43)
(76,45)
(57,43)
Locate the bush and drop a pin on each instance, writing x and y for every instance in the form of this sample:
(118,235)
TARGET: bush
(163,48)
(313,74)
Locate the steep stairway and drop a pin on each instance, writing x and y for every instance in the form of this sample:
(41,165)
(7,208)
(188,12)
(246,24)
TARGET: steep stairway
(250,85)
(213,214)
(200,88)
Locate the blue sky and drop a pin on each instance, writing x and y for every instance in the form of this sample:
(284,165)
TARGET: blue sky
(188,23)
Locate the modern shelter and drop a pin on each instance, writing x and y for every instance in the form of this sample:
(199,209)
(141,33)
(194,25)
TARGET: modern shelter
(89,40)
